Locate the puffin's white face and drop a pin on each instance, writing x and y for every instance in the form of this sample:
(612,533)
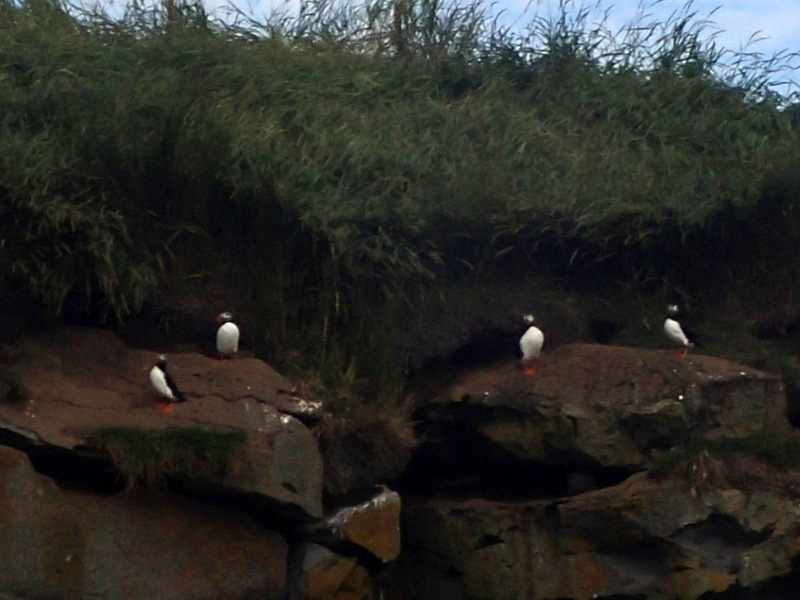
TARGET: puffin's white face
(162,358)
(672,310)
(224,317)
(528,319)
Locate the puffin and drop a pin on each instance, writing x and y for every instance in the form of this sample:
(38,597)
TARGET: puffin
(227,336)
(164,385)
(675,333)
(531,344)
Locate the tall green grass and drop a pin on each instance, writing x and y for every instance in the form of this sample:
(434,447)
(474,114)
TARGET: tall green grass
(343,163)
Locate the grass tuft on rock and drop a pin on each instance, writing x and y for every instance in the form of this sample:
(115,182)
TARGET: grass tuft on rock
(147,457)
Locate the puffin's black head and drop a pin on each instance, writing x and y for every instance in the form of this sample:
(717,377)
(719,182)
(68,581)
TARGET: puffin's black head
(528,320)
(162,362)
(672,310)
(224,317)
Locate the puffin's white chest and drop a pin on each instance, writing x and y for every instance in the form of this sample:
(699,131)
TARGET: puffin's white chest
(531,343)
(673,331)
(159,381)
(228,339)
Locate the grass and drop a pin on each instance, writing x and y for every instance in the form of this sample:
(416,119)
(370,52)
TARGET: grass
(148,457)
(346,165)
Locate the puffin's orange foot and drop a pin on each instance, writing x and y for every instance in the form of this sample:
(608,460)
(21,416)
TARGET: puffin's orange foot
(165,407)
(531,370)
(680,352)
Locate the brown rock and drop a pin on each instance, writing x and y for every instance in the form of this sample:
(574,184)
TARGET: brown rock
(130,546)
(79,379)
(146,545)
(42,540)
(285,466)
(643,537)
(588,420)
(357,586)
(610,403)
(319,572)
(374,525)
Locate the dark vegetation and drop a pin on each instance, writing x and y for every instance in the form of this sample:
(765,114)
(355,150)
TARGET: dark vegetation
(348,170)
(149,457)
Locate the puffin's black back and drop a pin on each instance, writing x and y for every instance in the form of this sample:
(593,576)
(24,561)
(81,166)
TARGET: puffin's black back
(162,364)
(171,383)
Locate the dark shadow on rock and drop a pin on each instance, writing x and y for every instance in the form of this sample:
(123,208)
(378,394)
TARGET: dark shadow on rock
(77,469)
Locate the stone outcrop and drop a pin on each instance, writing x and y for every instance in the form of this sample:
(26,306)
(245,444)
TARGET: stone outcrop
(373,525)
(74,381)
(135,545)
(43,540)
(545,488)
(643,538)
(593,407)
(214,533)
(321,574)
(604,476)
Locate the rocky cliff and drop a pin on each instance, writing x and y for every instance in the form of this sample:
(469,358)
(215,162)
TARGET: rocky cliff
(613,473)
(221,498)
